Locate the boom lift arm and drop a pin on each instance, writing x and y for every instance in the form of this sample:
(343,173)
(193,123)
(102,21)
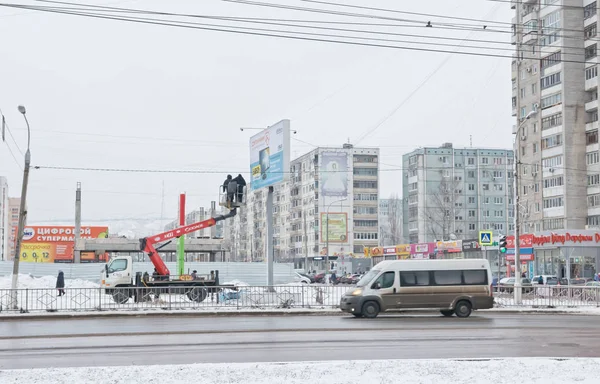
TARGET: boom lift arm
(147,243)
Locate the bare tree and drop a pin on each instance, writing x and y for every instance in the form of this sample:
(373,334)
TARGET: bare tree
(392,227)
(441,211)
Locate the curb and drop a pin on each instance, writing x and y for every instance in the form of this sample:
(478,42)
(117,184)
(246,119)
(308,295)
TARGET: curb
(96,315)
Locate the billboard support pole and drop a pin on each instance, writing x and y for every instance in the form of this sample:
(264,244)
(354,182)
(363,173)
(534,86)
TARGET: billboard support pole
(269,240)
(22,216)
(77,252)
(181,244)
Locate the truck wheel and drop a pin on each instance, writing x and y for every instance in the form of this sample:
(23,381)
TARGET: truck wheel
(370,309)
(463,309)
(197,294)
(120,296)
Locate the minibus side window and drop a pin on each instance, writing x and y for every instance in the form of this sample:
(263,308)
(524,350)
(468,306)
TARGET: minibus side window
(386,280)
(414,278)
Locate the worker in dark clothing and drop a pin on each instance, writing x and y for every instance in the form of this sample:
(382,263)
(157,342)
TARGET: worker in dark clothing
(241,183)
(60,283)
(226,188)
(194,275)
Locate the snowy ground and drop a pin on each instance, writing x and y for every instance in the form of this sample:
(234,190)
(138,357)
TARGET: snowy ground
(498,371)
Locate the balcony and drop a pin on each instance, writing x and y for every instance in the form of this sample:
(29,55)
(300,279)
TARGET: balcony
(592,126)
(591,105)
(591,84)
(530,36)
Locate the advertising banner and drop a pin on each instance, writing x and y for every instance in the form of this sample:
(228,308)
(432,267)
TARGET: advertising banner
(470,245)
(449,246)
(270,155)
(54,244)
(334,174)
(338,227)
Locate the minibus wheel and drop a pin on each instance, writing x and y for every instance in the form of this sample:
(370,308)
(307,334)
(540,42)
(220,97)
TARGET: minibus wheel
(463,309)
(370,309)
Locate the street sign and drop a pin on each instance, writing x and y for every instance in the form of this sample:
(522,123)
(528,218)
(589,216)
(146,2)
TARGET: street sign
(485,238)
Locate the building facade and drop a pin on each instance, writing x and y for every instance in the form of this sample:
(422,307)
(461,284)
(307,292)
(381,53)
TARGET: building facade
(330,198)
(555,74)
(390,222)
(453,193)
(196,216)
(14,205)
(4,219)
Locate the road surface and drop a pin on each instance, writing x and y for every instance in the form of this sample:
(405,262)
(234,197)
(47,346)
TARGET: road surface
(183,340)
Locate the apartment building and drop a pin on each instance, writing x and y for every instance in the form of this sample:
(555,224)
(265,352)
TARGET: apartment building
(4,219)
(453,193)
(390,222)
(555,73)
(196,216)
(14,205)
(328,188)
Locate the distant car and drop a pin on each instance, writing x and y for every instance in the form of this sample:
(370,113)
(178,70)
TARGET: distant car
(311,278)
(508,283)
(298,278)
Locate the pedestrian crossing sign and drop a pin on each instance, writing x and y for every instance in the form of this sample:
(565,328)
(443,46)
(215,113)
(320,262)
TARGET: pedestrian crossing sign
(485,238)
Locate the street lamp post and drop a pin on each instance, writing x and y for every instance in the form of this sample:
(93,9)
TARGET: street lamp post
(327,232)
(22,214)
(517,219)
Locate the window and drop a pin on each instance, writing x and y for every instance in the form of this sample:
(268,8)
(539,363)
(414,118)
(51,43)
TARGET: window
(498,200)
(365,184)
(550,28)
(498,213)
(550,80)
(554,182)
(593,179)
(364,236)
(594,200)
(550,60)
(550,224)
(553,202)
(552,141)
(552,162)
(471,227)
(471,174)
(592,158)
(471,161)
(591,72)
(486,200)
(552,121)
(414,278)
(365,171)
(471,200)
(486,213)
(590,31)
(484,160)
(365,223)
(117,265)
(471,187)
(386,280)
(485,187)
(535,147)
(523,112)
(590,52)
(593,221)
(498,187)
(589,10)
(533,88)
(447,277)
(497,174)
(591,137)
(552,100)
(413,186)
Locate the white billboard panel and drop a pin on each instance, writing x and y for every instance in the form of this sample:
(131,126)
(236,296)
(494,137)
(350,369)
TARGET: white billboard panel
(270,155)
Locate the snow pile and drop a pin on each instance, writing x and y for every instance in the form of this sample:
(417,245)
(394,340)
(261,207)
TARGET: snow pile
(236,283)
(30,282)
(541,370)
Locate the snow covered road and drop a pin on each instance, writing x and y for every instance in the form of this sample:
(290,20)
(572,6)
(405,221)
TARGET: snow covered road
(500,371)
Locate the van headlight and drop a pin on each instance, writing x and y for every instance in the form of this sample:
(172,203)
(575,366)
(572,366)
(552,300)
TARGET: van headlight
(357,292)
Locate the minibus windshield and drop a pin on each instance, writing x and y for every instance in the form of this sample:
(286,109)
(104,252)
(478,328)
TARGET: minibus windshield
(366,279)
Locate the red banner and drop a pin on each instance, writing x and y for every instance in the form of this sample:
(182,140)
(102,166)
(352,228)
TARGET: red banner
(526,241)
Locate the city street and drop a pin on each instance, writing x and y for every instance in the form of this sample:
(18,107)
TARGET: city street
(183,340)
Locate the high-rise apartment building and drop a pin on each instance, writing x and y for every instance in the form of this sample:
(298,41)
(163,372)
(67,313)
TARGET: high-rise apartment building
(196,216)
(4,219)
(555,72)
(453,193)
(328,188)
(390,222)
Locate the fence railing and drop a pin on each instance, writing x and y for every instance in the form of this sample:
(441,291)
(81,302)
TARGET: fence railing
(247,297)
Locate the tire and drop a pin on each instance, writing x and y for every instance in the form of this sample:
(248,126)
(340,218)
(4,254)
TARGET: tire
(370,309)
(447,312)
(463,309)
(197,294)
(120,296)
(357,315)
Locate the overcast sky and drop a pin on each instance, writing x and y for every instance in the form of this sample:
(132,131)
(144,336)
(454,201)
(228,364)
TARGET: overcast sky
(114,94)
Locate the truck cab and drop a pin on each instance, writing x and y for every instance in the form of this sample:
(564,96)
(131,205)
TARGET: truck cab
(118,272)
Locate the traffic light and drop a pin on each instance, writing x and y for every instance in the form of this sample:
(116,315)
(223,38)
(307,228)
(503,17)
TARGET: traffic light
(502,244)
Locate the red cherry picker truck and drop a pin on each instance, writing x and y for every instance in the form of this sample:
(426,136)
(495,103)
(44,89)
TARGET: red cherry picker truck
(120,281)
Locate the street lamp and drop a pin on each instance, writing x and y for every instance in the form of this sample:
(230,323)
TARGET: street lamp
(22,214)
(327,232)
(517,286)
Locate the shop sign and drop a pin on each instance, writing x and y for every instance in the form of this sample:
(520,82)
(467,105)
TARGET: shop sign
(470,245)
(449,246)
(566,238)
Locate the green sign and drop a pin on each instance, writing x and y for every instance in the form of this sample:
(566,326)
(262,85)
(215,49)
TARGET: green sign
(337,223)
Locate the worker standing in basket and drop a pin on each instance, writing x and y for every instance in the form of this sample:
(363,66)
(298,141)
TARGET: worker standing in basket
(241,183)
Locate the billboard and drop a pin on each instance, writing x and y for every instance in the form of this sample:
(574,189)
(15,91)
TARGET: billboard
(338,227)
(54,244)
(270,155)
(334,174)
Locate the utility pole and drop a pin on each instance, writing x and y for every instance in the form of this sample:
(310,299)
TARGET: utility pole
(76,251)
(22,215)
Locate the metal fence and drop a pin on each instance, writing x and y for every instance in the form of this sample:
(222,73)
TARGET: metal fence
(172,298)
(247,297)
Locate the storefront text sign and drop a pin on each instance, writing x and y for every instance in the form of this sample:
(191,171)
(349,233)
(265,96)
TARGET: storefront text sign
(566,238)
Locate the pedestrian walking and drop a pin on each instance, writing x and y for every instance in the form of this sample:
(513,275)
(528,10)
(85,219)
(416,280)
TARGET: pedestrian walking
(60,283)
